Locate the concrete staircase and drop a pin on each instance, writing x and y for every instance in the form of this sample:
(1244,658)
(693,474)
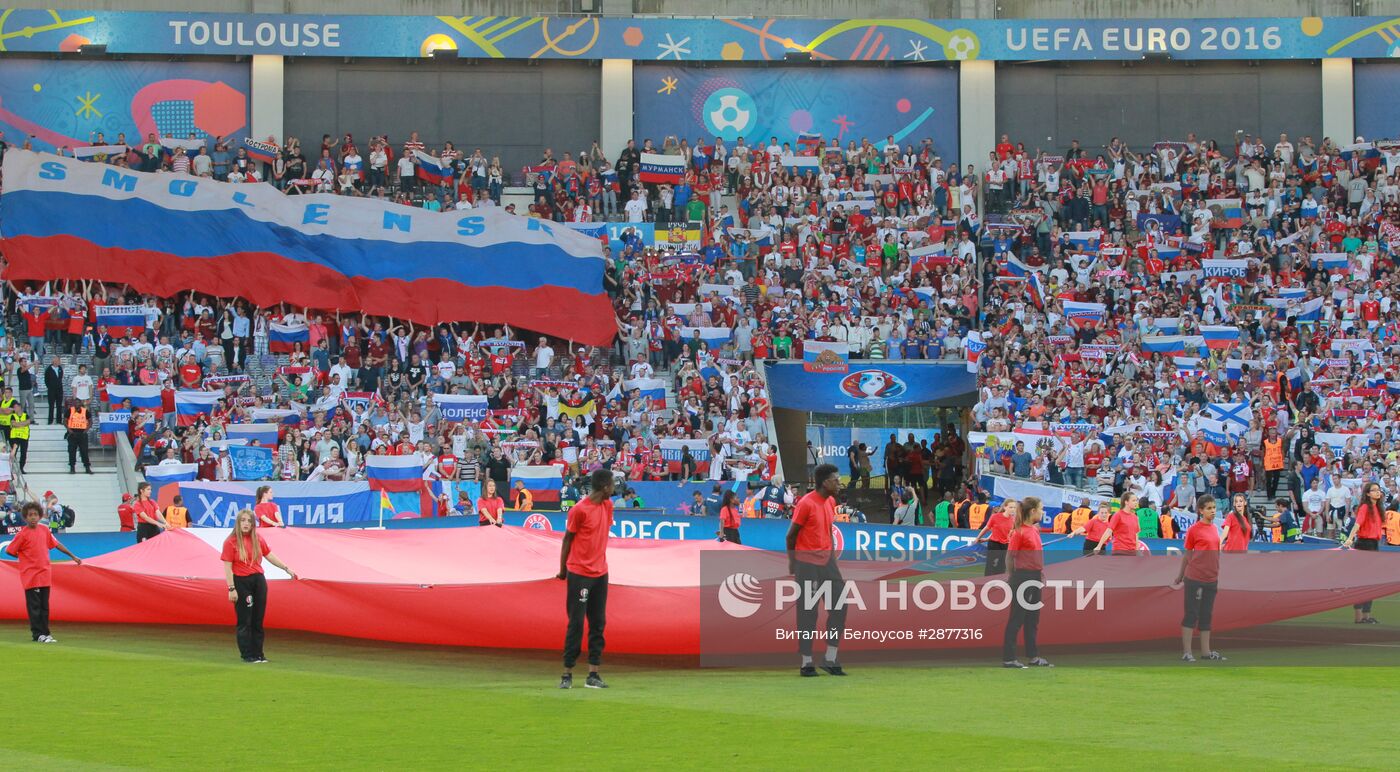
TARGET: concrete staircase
(94,498)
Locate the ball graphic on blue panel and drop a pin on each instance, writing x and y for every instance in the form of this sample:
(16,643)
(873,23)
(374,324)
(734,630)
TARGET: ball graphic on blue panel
(729,112)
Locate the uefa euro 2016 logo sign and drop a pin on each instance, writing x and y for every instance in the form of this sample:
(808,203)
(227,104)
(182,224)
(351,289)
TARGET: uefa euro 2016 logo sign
(873,384)
(729,113)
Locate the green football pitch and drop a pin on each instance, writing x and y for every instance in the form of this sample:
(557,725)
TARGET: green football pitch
(1313,694)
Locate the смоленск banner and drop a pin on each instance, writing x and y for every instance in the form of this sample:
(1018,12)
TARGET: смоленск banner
(161,233)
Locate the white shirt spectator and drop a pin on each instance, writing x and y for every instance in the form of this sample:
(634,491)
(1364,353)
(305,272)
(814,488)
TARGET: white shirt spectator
(82,387)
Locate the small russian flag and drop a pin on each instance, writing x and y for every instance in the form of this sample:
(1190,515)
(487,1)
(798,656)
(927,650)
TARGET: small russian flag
(140,396)
(396,474)
(1221,336)
(1171,344)
(651,389)
(190,406)
(662,168)
(121,321)
(543,482)
(671,454)
(263,434)
(282,338)
(431,169)
(161,475)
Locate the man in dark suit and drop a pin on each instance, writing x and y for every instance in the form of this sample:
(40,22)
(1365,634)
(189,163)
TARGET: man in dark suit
(53,384)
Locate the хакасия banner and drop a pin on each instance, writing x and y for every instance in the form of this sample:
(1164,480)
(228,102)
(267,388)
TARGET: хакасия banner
(66,219)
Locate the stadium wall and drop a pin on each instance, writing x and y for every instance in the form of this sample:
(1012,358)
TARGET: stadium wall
(1048,105)
(510,109)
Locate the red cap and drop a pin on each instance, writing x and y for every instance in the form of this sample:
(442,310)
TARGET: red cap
(48,494)
(126,497)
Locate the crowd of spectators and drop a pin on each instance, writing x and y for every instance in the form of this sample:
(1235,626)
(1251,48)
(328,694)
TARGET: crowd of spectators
(1300,350)
(898,254)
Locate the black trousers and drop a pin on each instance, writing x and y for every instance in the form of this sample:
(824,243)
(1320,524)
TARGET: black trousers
(1089,545)
(1025,618)
(146,531)
(1271,478)
(586,599)
(36,602)
(55,405)
(78,446)
(21,446)
(818,583)
(1369,545)
(250,608)
(1199,604)
(996,559)
(732,534)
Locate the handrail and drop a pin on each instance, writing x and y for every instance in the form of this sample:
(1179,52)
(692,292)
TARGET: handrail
(127,477)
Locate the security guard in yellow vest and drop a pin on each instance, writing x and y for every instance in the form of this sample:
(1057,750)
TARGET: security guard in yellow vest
(8,406)
(77,423)
(19,435)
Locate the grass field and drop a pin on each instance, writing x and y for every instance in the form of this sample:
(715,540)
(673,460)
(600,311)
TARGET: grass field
(178,698)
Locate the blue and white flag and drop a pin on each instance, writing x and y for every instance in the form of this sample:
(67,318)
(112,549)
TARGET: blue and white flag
(251,463)
(1235,415)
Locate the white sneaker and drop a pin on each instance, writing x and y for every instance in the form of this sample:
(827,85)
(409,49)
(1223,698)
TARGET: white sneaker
(47,639)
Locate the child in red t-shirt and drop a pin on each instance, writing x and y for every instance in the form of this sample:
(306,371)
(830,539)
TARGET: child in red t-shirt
(31,548)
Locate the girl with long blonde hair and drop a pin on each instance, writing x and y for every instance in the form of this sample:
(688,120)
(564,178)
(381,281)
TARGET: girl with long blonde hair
(243,555)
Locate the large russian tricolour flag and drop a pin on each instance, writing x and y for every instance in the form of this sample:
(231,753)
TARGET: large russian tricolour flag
(140,396)
(662,168)
(396,474)
(282,338)
(543,482)
(62,218)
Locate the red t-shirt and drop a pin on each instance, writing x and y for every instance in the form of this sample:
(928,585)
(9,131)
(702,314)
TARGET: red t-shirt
(1026,551)
(813,517)
(242,567)
(1001,527)
(268,514)
(729,517)
(491,506)
(1093,530)
(589,523)
(1124,525)
(31,547)
(1369,522)
(1240,530)
(1203,545)
(126,515)
(147,508)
